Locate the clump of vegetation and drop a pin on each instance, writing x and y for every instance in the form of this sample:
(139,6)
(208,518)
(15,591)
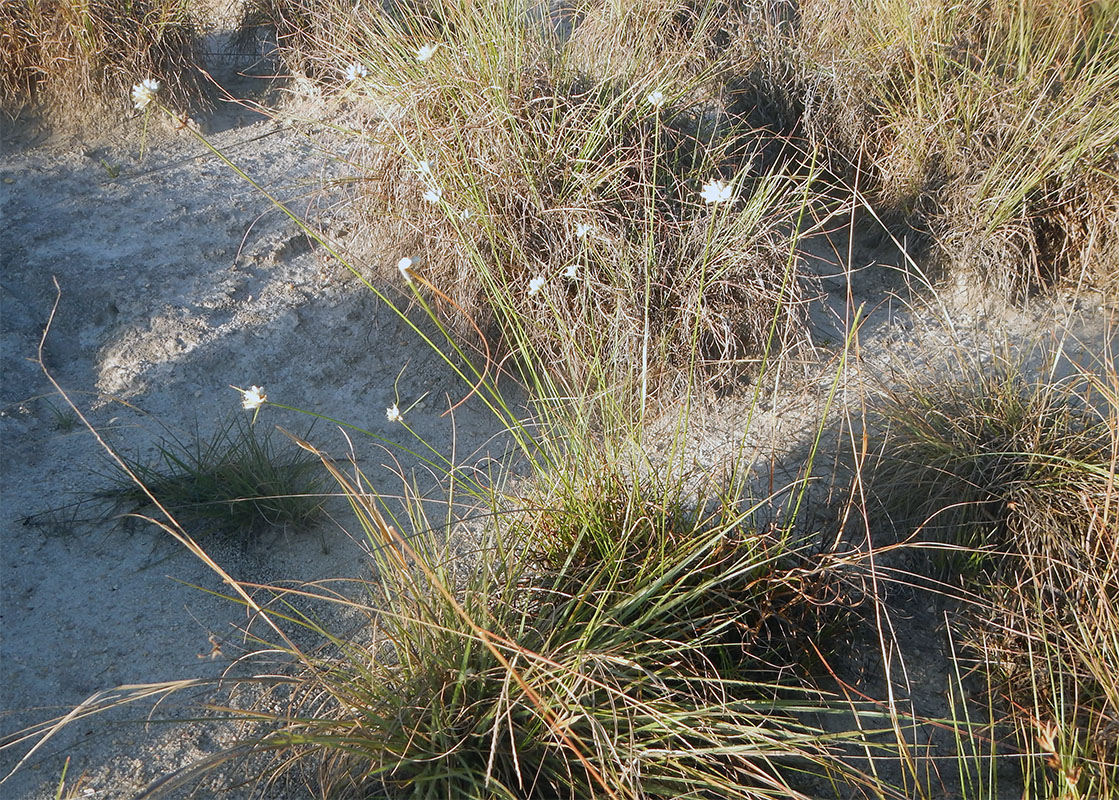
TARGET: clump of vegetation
(296,26)
(236,481)
(589,194)
(72,58)
(1021,476)
(993,458)
(615,224)
(576,678)
(991,125)
(748,579)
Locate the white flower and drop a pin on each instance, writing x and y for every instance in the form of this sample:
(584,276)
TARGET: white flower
(252,398)
(582,229)
(433,195)
(393,414)
(535,285)
(355,72)
(655,99)
(424,168)
(426,52)
(716,191)
(405,266)
(571,271)
(144,92)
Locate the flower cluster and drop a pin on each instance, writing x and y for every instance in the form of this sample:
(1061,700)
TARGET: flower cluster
(716,191)
(405,266)
(144,92)
(355,72)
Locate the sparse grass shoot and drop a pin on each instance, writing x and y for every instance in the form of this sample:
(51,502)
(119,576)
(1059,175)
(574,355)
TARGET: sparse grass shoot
(242,478)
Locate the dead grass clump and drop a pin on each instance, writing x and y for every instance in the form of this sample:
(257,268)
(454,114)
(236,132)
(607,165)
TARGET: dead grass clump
(21,48)
(71,59)
(297,25)
(994,125)
(1022,477)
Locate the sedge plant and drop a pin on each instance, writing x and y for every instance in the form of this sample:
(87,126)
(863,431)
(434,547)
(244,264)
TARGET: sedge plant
(605,219)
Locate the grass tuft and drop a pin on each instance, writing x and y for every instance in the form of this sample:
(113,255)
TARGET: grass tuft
(991,125)
(237,481)
(995,458)
(640,675)
(1020,475)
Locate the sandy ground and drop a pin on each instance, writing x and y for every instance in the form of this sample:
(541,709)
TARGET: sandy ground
(177,281)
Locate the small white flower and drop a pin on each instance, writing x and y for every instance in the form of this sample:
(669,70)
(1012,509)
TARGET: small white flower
(655,99)
(535,285)
(426,52)
(144,92)
(405,266)
(393,414)
(582,229)
(252,398)
(424,168)
(716,191)
(355,72)
(433,195)
(571,271)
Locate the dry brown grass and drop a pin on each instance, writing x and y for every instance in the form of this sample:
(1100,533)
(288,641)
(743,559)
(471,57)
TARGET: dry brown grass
(992,125)
(73,60)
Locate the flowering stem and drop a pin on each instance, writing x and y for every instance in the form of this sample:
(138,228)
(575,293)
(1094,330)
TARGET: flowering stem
(698,307)
(144,132)
(650,208)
